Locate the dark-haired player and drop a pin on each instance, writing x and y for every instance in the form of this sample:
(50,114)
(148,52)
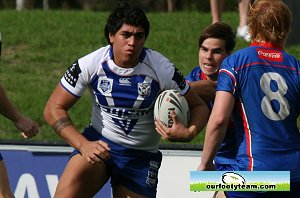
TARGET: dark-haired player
(121,143)
(216,42)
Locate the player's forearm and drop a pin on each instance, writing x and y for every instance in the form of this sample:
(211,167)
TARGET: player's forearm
(7,108)
(198,119)
(64,127)
(205,89)
(70,134)
(214,136)
(58,118)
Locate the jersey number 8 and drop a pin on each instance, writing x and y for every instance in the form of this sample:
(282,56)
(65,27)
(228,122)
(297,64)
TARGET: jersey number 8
(278,95)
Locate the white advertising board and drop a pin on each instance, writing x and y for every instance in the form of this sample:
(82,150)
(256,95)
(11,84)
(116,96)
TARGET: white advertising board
(34,171)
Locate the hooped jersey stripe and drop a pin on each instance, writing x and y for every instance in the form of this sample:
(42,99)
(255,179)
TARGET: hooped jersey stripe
(265,64)
(231,76)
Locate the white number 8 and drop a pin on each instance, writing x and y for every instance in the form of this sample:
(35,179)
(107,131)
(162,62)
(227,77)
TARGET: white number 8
(265,82)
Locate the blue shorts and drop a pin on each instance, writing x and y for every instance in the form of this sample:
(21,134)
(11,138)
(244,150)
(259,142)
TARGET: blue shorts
(224,167)
(1,158)
(134,169)
(293,193)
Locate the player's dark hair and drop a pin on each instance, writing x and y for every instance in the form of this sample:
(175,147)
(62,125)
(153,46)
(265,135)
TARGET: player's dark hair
(126,13)
(219,30)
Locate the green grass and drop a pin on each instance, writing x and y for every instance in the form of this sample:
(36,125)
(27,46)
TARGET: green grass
(39,45)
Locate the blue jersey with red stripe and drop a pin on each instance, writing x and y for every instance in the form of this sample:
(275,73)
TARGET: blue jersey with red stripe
(227,152)
(265,82)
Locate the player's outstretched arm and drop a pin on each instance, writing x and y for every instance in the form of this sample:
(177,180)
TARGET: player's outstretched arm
(216,128)
(26,125)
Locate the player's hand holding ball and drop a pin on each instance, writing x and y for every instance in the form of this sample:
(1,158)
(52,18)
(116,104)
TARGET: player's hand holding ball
(171,115)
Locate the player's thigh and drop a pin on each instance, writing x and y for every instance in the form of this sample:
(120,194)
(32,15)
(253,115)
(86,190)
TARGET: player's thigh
(81,179)
(122,192)
(5,191)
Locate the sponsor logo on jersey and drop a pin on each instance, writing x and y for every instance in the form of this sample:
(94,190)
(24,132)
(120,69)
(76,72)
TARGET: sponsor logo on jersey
(72,74)
(105,85)
(179,79)
(125,81)
(144,89)
(270,55)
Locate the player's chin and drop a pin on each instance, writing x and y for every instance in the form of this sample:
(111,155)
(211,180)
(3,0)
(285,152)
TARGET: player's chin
(130,55)
(210,72)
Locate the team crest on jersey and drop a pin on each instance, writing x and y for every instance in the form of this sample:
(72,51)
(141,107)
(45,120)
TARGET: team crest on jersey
(105,85)
(144,89)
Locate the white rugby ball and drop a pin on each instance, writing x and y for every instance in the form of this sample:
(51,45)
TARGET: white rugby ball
(171,100)
(233,178)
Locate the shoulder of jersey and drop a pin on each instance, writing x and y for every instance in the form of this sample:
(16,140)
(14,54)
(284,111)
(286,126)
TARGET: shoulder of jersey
(171,100)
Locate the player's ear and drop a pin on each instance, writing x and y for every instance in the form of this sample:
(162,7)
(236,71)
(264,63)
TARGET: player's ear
(111,38)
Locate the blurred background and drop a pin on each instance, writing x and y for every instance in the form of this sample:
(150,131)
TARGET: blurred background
(106,5)
(41,38)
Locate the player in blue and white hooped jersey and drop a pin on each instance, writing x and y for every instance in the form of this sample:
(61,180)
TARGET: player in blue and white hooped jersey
(260,86)
(121,143)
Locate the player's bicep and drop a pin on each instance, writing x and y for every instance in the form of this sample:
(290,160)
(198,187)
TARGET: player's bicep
(62,98)
(58,104)
(223,107)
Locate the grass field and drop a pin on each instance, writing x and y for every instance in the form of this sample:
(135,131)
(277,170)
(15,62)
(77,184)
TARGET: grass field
(38,46)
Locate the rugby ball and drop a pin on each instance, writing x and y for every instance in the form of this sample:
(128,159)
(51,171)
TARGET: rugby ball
(171,100)
(233,178)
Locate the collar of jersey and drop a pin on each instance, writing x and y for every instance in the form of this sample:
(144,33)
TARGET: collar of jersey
(266,45)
